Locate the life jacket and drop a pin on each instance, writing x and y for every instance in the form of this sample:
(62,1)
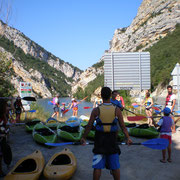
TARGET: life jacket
(169,102)
(106,130)
(167,123)
(147,101)
(54,100)
(75,105)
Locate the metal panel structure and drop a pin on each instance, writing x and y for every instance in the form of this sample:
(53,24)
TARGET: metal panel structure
(127,70)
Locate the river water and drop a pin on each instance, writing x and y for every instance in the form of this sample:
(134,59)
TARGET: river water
(67,100)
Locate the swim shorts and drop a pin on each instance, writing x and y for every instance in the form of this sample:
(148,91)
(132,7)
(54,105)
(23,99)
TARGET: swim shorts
(165,136)
(101,161)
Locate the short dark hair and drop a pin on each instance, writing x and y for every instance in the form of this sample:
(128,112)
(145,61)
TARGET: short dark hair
(148,94)
(106,93)
(169,86)
(114,91)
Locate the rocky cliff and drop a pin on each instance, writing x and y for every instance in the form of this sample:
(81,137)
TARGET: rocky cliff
(22,50)
(155,18)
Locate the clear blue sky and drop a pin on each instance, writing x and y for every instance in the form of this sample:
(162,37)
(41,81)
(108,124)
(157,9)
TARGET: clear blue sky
(77,31)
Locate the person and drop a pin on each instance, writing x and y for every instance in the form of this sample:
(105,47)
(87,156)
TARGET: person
(115,101)
(106,150)
(18,109)
(3,122)
(74,106)
(170,103)
(97,101)
(56,106)
(64,107)
(165,124)
(148,103)
(120,99)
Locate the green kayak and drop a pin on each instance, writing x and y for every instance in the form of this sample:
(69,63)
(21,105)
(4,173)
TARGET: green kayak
(30,125)
(52,126)
(91,134)
(69,133)
(43,134)
(142,130)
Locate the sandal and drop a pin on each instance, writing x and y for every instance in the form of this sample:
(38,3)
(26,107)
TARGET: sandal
(163,161)
(169,160)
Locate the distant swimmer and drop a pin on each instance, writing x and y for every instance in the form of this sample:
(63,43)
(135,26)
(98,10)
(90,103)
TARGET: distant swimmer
(56,106)
(97,101)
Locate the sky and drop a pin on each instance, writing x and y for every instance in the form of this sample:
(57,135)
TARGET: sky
(76,31)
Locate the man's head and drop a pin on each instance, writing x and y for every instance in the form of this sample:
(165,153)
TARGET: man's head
(105,93)
(169,89)
(114,94)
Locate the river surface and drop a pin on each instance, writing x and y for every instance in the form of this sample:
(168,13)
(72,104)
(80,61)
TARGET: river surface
(81,111)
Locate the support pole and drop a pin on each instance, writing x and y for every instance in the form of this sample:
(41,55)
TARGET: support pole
(178,84)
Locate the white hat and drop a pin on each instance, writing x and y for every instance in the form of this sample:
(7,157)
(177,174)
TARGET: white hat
(72,99)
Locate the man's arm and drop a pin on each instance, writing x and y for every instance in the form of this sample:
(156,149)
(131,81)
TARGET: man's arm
(122,125)
(93,116)
(174,102)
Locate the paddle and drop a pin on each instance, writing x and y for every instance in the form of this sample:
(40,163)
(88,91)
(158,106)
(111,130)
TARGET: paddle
(152,143)
(87,107)
(50,103)
(78,103)
(31,111)
(27,98)
(135,114)
(140,118)
(155,108)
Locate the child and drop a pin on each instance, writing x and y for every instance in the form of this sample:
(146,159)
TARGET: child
(165,124)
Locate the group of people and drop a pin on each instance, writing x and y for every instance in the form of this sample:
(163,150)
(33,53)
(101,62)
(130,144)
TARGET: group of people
(108,115)
(73,105)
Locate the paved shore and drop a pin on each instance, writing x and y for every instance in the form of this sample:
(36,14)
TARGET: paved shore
(137,162)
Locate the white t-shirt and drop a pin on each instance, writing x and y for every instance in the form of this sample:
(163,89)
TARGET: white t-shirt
(169,104)
(160,124)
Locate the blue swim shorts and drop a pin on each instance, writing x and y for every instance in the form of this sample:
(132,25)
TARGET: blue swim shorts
(101,161)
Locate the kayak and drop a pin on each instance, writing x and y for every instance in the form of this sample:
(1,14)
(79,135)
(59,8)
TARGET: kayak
(142,130)
(43,134)
(30,125)
(62,165)
(84,118)
(69,133)
(29,167)
(91,134)
(73,121)
(52,123)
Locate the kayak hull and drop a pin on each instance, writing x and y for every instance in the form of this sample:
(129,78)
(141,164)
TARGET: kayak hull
(69,136)
(30,125)
(20,171)
(49,137)
(61,166)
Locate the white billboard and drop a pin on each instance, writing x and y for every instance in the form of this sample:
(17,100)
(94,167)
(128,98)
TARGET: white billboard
(127,70)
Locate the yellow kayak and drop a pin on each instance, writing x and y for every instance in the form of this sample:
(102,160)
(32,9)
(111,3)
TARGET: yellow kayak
(27,168)
(61,166)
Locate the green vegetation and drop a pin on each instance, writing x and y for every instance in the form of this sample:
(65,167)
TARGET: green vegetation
(164,56)
(98,65)
(6,88)
(91,87)
(54,79)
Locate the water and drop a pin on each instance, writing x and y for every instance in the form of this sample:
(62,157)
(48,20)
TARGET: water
(81,110)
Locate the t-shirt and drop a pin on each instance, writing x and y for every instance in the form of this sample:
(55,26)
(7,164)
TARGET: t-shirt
(160,124)
(117,103)
(169,102)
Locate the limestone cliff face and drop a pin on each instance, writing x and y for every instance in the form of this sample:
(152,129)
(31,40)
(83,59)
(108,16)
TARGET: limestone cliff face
(87,76)
(33,76)
(155,18)
(32,48)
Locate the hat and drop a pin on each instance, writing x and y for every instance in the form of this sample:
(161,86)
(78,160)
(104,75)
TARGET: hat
(166,110)
(72,99)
